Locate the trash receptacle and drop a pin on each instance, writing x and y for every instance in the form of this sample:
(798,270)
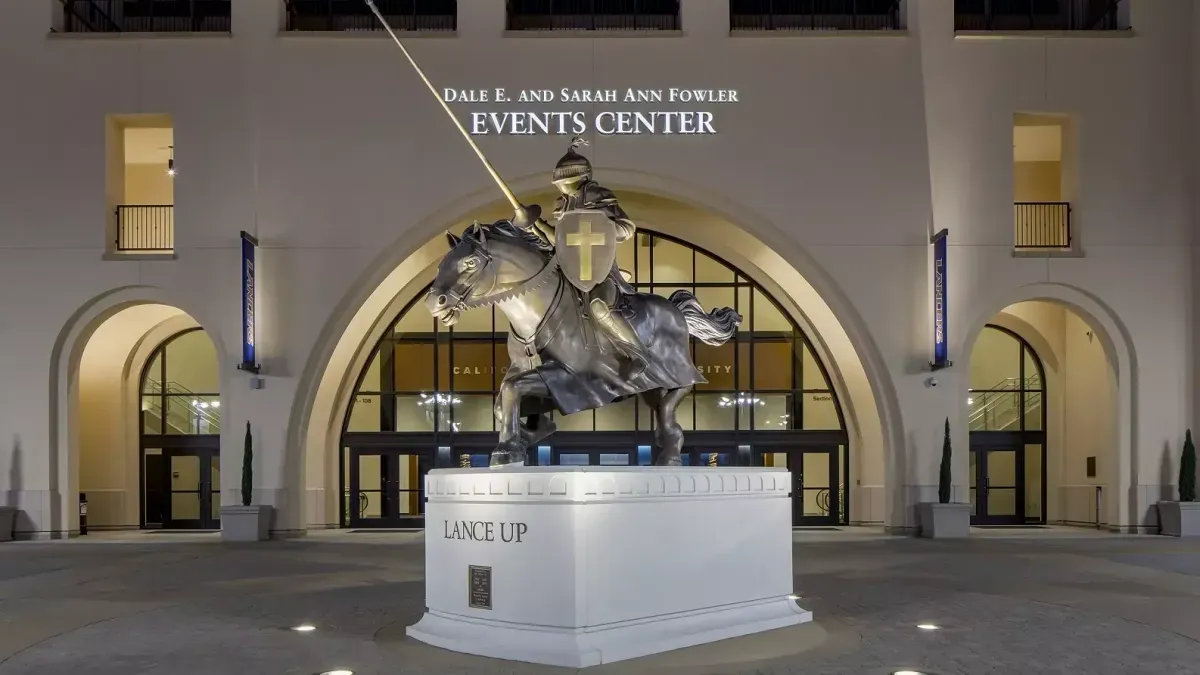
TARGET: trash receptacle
(82,513)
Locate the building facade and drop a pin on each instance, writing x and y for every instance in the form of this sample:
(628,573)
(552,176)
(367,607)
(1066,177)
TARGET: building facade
(797,161)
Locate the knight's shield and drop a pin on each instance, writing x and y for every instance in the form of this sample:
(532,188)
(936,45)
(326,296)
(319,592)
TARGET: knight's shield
(586,244)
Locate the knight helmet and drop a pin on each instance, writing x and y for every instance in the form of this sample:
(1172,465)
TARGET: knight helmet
(573,166)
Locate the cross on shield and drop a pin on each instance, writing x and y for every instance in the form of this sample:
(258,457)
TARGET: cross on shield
(586,243)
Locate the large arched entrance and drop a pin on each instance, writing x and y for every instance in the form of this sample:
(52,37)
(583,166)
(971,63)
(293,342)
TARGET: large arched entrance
(1050,404)
(180,437)
(767,259)
(117,370)
(1007,418)
(426,395)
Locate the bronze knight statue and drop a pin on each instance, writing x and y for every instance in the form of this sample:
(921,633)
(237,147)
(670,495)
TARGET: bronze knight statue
(573,178)
(580,336)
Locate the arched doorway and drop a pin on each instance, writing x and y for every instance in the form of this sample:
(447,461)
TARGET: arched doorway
(425,399)
(1007,420)
(180,434)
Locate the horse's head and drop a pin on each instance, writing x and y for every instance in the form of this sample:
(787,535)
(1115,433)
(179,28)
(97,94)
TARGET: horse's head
(481,265)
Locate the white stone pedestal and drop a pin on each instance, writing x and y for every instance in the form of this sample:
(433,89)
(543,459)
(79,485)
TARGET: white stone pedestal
(578,566)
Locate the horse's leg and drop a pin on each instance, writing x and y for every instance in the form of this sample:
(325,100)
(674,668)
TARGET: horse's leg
(669,433)
(514,436)
(652,399)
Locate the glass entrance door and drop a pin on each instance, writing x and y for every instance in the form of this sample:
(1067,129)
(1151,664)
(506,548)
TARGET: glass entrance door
(191,499)
(387,488)
(997,491)
(816,494)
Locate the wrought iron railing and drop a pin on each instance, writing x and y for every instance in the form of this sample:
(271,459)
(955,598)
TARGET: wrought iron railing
(819,15)
(147,16)
(535,15)
(355,16)
(1056,15)
(1042,225)
(145,228)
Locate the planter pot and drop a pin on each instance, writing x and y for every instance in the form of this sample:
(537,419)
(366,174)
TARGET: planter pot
(1179,519)
(245,523)
(8,518)
(944,521)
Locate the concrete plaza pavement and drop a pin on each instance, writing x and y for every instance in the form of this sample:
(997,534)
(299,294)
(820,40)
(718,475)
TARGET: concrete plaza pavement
(1007,602)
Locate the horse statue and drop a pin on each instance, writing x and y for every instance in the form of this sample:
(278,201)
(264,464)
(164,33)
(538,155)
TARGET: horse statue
(560,361)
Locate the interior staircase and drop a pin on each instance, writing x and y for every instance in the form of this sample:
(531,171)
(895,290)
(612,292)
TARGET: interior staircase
(998,407)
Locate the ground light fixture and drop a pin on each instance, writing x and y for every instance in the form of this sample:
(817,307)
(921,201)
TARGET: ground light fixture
(343,671)
(304,628)
(904,672)
(928,626)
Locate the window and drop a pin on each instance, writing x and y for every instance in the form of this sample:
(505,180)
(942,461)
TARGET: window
(1007,388)
(810,15)
(146,16)
(180,393)
(141,184)
(1041,208)
(593,15)
(1055,15)
(355,15)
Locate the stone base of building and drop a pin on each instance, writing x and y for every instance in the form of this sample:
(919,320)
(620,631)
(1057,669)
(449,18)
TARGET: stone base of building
(580,566)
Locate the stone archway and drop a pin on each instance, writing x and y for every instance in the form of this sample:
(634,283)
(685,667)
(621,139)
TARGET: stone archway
(125,324)
(1122,505)
(749,242)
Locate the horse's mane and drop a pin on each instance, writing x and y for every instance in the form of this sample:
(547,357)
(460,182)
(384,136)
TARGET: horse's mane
(505,228)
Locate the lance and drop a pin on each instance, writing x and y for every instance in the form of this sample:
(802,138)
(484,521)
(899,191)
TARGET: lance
(508,193)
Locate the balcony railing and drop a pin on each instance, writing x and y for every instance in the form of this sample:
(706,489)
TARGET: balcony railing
(355,16)
(145,228)
(1043,224)
(535,15)
(1053,15)
(146,16)
(818,15)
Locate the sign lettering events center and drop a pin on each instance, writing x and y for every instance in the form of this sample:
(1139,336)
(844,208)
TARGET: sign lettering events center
(611,111)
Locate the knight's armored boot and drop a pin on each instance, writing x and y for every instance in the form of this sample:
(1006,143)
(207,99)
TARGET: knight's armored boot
(622,335)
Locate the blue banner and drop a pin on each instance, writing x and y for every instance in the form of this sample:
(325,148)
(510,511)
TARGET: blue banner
(941,348)
(249,244)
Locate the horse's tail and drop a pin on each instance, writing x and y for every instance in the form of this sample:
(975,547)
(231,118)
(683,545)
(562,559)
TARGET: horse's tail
(713,329)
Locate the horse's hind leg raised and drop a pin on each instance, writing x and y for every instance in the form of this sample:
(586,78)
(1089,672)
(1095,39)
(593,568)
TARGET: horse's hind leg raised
(669,434)
(513,443)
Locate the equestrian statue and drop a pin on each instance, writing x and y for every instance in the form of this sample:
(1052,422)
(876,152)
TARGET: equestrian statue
(580,336)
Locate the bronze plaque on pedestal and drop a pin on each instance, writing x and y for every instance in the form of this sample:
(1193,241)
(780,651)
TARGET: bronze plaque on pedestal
(479,587)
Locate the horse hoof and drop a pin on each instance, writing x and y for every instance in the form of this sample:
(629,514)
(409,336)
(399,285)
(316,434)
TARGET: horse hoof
(501,458)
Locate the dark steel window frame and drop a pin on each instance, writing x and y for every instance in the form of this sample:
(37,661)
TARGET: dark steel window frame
(202,445)
(443,342)
(1039,15)
(353,16)
(816,15)
(984,440)
(147,16)
(593,15)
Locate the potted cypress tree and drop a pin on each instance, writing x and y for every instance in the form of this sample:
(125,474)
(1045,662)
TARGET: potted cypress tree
(248,522)
(1182,518)
(944,519)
